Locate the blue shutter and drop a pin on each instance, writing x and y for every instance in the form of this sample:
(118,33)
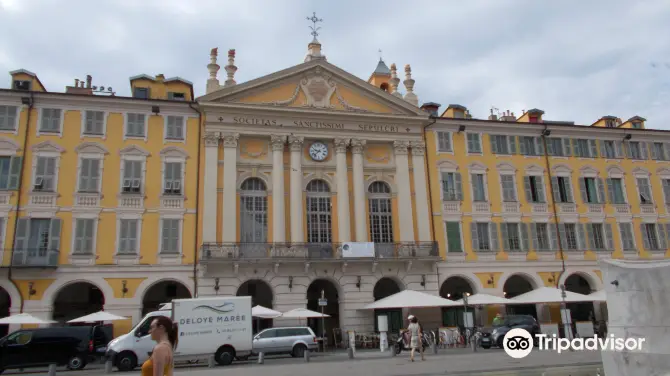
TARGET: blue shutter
(550,146)
(54,234)
(645,237)
(495,246)
(662,236)
(539,145)
(609,236)
(644,154)
(22,231)
(473,234)
(523,150)
(601,147)
(524,236)
(526,185)
(667,230)
(505,236)
(577,148)
(459,186)
(652,150)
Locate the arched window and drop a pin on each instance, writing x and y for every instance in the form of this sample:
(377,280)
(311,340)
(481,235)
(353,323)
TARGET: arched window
(253,211)
(318,212)
(381,215)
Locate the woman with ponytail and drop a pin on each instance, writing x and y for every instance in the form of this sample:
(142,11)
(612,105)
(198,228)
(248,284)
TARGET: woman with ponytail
(165,333)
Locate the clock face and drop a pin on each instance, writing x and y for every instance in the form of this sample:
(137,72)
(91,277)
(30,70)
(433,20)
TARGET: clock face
(318,151)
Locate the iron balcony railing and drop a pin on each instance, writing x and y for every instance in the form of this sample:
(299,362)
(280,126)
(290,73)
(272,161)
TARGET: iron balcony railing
(35,257)
(216,252)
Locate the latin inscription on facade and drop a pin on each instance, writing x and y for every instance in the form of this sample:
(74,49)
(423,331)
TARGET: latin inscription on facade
(365,127)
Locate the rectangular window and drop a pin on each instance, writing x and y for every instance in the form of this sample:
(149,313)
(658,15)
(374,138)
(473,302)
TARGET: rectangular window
(132,177)
(589,190)
(170,234)
(83,238)
(94,123)
(173,181)
(637,125)
(658,151)
(597,236)
(8,116)
(454,237)
(89,178)
(562,189)
(135,125)
(50,120)
(609,150)
(508,189)
(664,182)
(176,96)
(444,142)
(651,236)
(610,124)
(45,174)
(570,241)
(451,186)
(483,236)
(627,239)
(474,143)
(22,85)
(141,92)
(555,147)
(542,237)
(478,187)
(635,150)
(10,170)
(616,191)
(128,236)
(175,128)
(513,240)
(584,148)
(645,191)
(37,241)
(534,187)
(501,144)
(527,145)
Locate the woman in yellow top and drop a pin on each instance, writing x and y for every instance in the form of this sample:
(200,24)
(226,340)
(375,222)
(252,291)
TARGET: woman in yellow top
(164,332)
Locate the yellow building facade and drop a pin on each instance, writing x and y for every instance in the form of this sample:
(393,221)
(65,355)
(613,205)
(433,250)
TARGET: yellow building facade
(310,184)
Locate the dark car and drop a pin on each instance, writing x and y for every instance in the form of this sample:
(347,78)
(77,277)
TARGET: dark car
(72,346)
(495,338)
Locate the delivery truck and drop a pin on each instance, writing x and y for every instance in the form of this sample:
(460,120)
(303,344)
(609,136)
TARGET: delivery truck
(219,326)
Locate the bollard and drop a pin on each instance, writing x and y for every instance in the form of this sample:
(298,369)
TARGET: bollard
(108,367)
(261,358)
(211,362)
(392,351)
(351,353)
(434,346)
(52,370)
(307,355)
(597,371)
(474,345)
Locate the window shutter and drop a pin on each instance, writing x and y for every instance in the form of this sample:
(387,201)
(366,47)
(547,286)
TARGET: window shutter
(176,172)
(512,144)
(167,178)
(539,145)
(568,188)
(662,236)
(553,236)
(477,142)
(166,236)
(170,127)
(523,150)
(644,154)
(581,236)
(22,231)
(132,232)
(471,144)
(645,237)
(550,146)
(577,148)
(526,186)
(582,190)
(563,236)
(555,189)
(567,149)
(179,127)
(594,149)
(84,174)
(652,149)
(495,245)
(540,189)
(473,234)
(494,145)
(533,234)
(667,231)
(175,235)
(79,225)
(90,229)
(40,169)
(601,190)
(618,149)
(459,186)
(14,172)
(627,149)
(601,147)
(123,236)
(609,236)
(475,187)
(88,128)
(94,175)
(445,186)
(666,151)
(624,236)
(505,236)
(54,234)
(666,190)
(524,236)
(610,191)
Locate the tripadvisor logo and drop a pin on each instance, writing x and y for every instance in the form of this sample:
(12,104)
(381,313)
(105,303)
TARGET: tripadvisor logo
(518,343)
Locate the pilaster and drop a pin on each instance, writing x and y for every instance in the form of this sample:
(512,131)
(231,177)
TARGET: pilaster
(405,215)
(229,222)
(278,208)
(342,189)
(296,147)
(357,148)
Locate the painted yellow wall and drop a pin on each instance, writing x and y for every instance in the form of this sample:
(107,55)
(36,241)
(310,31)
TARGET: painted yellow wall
(35,85)
(158,89)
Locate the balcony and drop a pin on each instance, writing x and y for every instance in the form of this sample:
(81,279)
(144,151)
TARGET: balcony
(481,207)
(451,207)
(647,209)
(172,202)
(595,208)
(621,208)
(87,199)
(35,258)
(538,208)
(511,207)
(43,199)
(566,207)
(329,252)
(131,201)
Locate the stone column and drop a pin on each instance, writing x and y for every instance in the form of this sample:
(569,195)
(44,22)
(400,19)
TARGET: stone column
(229,187)
(357,147)
(420,191)
(297,215)
(278,225)
(342,189)
(211,140)
(405,216)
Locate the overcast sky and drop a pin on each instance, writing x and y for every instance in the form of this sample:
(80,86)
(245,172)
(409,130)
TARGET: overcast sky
(576,60)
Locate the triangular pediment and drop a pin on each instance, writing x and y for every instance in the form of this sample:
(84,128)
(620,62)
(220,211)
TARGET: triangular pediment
(316,85)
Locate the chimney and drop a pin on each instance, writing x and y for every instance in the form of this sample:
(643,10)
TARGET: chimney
(394,81)
(160,77)
(230,69)
(493,117)
(409,85)
(78,87)
(431,108)
(508,116)
(213,68)
(89,79)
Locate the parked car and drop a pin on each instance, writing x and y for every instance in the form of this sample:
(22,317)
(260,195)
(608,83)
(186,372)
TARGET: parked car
(495,338)
(72,346)
(294,341)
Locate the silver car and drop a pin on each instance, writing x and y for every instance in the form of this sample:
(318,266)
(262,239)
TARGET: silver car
(293,340)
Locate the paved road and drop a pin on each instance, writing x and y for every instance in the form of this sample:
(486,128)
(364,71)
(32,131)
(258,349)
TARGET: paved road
(450,362)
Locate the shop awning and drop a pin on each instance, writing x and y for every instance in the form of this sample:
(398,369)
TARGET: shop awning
(484,299)
(264,313)
(549,295)
(412,299)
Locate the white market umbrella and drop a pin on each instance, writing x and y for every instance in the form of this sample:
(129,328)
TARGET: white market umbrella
(412,299)
(484,299)
(264,313)
(549,295)
(598,296)
(302,313)
(24,318)
(98,316)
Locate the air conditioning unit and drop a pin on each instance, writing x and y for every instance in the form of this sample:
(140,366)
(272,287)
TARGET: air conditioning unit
(39,184)
(168,187)
(176,187)
(358,249)
(135,186)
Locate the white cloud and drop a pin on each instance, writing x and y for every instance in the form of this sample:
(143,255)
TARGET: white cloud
(575,60)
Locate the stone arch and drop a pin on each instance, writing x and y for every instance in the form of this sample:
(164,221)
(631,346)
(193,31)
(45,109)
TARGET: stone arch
(151,302)
(594,282)
(393,285)
(243,288)
(533,279)
(77,299)
(250,175)
(59,284)
(174,152)
(13,293)
(319,176)
(332,291)
(581,283)
(518,283)
(469,283)
(150,282)
(383,178)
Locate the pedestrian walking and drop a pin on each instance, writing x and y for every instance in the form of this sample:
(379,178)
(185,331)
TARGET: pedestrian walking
(415,332)
(164,332)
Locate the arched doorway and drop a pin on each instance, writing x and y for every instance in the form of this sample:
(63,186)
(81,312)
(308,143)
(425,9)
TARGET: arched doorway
(261,294)
(579,311)
(5,305)
(383,288)
(163,292)
(324,288)
(454,288)
(76,300)
(515,286)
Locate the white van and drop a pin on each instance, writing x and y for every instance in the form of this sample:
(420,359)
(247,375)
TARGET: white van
(219,326)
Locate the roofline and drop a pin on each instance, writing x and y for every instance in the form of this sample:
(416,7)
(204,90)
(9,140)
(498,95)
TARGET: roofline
(25,71)
(171,79)
(103,97)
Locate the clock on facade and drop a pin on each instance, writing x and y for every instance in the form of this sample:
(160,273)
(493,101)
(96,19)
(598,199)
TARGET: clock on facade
(318,151)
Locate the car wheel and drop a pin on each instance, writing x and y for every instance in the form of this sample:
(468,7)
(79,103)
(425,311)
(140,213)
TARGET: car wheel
(224,356)
(76,363)
(299,351)
(487,346)
(126,361)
